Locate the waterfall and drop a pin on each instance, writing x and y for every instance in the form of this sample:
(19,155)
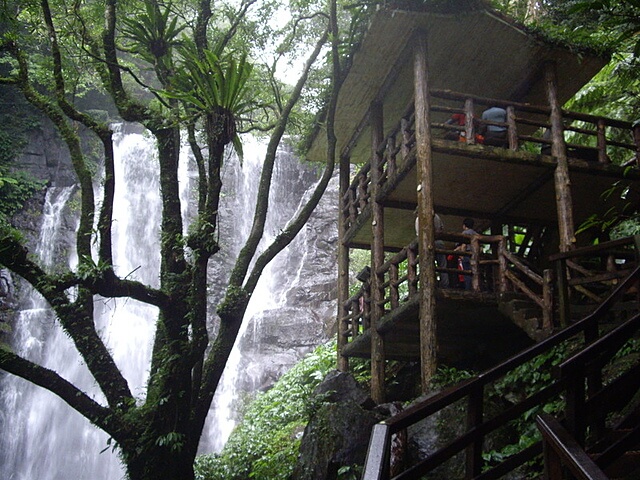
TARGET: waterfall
(49,440)
(243,372)
(39,428)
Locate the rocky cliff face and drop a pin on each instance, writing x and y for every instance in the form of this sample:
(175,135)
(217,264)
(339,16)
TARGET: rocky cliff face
(303,276)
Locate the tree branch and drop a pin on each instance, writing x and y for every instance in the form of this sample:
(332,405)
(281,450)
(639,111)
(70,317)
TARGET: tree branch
(100,416)
(289,233)
(239,271)
(101,130)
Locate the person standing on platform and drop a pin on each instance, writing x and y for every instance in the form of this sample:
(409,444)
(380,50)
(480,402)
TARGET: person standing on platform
(467,229)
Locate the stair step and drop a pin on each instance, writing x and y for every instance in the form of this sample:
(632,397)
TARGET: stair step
(626,467)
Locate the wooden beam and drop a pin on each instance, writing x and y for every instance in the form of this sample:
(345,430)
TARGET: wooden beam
(343,264)
(377,257)
(559,151)
(426,237)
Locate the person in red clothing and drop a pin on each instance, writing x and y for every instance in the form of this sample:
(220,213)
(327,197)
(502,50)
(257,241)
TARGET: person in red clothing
(459,119)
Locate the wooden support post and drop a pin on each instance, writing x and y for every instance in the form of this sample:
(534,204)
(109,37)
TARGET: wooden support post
(512,130)
(412,274)
(426,237)
(559,151)
(563,292)
(392,167)
(377,257)
(552,463)
(547,301)
(475,412)
(475,264)
(502,262)
(406,138)
(343,263)
(363,193)
(469,126)
(574,410)
(602,142)
(636,139)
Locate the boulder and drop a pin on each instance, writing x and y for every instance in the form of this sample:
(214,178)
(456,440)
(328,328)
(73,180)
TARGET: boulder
(337,435)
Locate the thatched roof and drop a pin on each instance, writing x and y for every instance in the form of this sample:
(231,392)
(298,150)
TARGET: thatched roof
(474,50)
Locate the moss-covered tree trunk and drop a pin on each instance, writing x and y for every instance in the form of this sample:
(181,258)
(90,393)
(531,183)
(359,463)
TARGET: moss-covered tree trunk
(158,435)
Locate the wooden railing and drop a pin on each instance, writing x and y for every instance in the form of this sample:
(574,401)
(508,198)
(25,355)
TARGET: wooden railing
(356,314)
(493,269)
(400,277)
(539,288)
(587,137)
(478,424)
(578,275)
(592,398)
(590,402)
(587,275)
(561,451)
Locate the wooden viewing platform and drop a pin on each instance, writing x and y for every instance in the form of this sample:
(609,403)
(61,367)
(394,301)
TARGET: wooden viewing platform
(418,66)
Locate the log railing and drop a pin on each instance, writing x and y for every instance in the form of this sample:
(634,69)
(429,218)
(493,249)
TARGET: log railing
(593,398)
(400,277)
(543,297)
(587,275)
(479,424)
(493,269)
(587,138)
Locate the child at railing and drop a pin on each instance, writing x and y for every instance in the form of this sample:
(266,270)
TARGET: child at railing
(467,229)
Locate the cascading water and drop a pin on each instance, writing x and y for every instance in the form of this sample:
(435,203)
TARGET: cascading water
(243,372)
(39,427)
(48,439)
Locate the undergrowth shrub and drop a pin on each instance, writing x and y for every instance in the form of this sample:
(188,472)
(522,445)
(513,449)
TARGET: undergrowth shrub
(264,445)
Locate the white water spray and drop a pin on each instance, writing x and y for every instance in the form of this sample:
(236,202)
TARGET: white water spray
(48,440)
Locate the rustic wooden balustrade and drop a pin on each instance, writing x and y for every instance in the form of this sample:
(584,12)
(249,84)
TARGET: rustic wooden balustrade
(489,259)
(587,138)
(586,275)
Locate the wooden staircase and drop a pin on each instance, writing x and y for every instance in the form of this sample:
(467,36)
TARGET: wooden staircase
(582,440)
(525,313)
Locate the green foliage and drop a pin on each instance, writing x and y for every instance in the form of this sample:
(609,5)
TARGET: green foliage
(265,443)
(621,18)
(15,187)
(173,440)
(350,472)
(616,222)
(217,79)
(515,386)
(10,238)
(446,376)
(235,300)
(153,32)
(88,268)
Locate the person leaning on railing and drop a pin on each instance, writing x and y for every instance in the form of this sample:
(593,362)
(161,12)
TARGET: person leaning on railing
(467,229)
(495,135)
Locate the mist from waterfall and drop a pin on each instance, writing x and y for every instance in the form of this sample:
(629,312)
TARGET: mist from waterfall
(49,440)
(244,373)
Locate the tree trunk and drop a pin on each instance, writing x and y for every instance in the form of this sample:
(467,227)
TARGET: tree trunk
(161,463)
